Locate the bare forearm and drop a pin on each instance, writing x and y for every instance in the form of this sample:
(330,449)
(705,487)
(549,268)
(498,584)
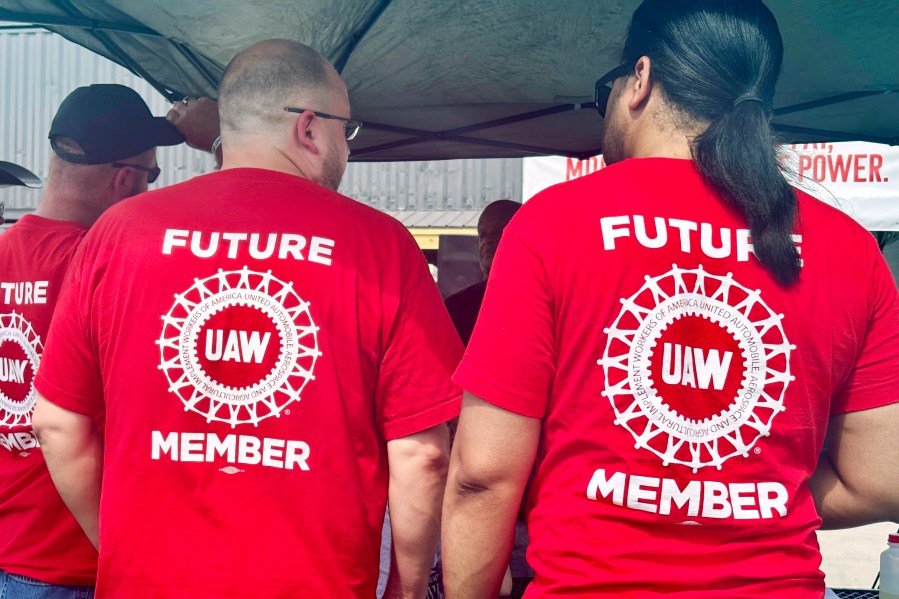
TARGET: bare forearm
(415,526)
(78,478)
(415,499)
(478,530)
(842,506)
(492,458)
(73,451)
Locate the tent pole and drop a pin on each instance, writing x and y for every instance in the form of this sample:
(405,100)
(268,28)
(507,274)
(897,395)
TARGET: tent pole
(829,101)
(825,135)
(537,151)
(418,136)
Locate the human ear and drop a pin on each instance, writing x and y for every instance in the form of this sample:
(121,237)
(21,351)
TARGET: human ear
(639,84)
(306,135)
(123,180)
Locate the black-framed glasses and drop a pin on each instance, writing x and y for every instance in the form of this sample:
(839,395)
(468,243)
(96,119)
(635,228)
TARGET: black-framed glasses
(350,127)
(603,88)
(152,171)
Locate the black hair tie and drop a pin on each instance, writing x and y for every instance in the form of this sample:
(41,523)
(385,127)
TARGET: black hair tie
(748,98)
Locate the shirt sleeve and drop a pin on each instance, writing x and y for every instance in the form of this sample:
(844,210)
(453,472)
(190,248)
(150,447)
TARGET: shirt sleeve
(874,379)
(415,389)
(509,361)
(69,373)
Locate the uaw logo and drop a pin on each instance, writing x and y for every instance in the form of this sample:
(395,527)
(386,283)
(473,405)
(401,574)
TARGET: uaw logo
(696,367)
(238,347)
(20,355)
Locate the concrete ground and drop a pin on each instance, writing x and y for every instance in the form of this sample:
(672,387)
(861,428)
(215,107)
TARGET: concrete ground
(851,557)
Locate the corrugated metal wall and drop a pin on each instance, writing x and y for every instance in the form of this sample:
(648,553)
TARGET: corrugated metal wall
(435,185)
(38,69)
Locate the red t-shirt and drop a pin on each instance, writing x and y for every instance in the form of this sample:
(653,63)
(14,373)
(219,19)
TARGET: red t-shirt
(684,394)
(255,340)
(38,536)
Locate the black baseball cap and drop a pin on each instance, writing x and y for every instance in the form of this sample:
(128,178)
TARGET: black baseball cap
(109,122)
(13,174)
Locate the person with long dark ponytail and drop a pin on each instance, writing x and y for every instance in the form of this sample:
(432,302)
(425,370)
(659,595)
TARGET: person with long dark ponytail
(729,94)
(699,359)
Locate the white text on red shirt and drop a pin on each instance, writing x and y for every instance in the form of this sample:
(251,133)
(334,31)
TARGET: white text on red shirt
(234,449)
(705,498)
(25,292)
(20,441)
(714,242)
(261,247)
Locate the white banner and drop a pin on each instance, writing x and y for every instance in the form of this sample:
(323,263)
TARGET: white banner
(861,179)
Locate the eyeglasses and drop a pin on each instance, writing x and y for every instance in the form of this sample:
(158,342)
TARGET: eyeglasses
(603,89)
(350,127)
(152,171)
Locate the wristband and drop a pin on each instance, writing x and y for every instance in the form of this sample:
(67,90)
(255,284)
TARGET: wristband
(216,144)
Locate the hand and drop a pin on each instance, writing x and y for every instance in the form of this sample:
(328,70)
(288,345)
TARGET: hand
(198,120)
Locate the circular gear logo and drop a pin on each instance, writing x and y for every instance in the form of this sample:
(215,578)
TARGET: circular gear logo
(696,367)
(238,347)
(20,355)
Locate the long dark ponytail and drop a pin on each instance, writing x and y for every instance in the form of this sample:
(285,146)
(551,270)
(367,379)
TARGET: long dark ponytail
(717,61)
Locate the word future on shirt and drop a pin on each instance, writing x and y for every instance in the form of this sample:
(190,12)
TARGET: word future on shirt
(713,241)
(283,246)
(23,293)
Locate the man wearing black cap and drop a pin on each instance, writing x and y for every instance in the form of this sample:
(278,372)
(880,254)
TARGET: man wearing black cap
(104,139)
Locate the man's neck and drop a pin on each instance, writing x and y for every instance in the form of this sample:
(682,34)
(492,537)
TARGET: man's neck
(663,144)
(261,156)
(57,204)
(674,150)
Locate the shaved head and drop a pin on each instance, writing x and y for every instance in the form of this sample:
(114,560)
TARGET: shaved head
(261,80)
(257,131)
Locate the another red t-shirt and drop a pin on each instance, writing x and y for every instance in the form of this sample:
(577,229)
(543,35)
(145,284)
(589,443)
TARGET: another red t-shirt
(255,340)
(38,536)
(684,394)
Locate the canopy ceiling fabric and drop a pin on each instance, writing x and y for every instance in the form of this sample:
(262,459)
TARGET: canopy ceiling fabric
(439,79)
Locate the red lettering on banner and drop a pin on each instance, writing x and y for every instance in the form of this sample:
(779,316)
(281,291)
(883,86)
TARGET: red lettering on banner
(579,168)
(805,164)
(876,163)
(841,168)
(812,147)
(859,170)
